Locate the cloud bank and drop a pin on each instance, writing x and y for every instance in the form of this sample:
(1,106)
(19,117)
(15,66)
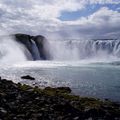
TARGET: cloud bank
(42,17)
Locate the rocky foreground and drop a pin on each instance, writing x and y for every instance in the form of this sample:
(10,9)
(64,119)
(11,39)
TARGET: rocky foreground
(22,102)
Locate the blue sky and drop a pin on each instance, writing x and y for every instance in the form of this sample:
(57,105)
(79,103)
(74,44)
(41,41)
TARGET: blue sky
(88,10)
(61,18)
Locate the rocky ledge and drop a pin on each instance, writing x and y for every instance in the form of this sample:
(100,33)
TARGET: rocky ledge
(23,102)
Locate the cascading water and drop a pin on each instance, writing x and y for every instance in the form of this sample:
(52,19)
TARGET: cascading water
(11,51)
(88,67)
(84,49)
(28,48)
(35,50)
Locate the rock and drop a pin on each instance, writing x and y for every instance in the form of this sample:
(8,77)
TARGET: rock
(93,112)
(2,94)
(28,41)
(2,110)
(65,89)
(76,118)
(23,102)
(28,77)
(59,89)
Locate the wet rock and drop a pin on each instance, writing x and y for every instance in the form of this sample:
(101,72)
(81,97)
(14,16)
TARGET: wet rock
(2,110)
(93,112)
(23,102)
(65,89)
(28,77)
(76,118)
(59,89)
(39,41)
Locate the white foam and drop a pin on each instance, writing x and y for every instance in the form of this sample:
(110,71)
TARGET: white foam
(11,51)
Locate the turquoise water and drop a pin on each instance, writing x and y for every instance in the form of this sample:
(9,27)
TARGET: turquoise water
(101,80)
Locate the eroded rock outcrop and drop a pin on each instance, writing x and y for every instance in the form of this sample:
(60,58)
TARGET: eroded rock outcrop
(35,45)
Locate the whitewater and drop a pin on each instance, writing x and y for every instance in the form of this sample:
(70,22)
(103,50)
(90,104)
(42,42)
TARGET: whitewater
(89,67)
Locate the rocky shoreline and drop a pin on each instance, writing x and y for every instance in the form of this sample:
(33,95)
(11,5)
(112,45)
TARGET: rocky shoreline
(23,102)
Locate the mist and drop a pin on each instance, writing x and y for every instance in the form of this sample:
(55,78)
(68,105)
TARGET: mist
(84,49)
(58,49)
(11,51)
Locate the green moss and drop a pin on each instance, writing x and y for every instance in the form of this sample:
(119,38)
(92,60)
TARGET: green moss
(91,102)
(57,91)
(37,90)
(70,97)
(24,87)
(76,101)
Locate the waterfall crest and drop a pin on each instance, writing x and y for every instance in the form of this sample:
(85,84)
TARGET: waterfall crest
(84,49)
(26,47)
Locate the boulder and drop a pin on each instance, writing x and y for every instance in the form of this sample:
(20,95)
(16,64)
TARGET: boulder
(28,77)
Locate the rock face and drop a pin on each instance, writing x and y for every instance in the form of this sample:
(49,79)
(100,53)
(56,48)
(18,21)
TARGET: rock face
(35,45)
(23,102)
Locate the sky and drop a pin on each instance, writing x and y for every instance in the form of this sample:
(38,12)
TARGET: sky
(61,18)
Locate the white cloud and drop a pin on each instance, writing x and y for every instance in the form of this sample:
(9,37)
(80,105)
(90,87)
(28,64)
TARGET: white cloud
(34,16)
(41,17)
(104,1)
(103,23)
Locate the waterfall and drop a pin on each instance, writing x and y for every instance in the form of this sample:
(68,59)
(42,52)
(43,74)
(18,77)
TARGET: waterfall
(27,47)
(84,49)
(35,51)
(11,51)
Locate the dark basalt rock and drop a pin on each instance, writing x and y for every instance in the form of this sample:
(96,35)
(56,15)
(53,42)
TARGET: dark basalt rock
(28,77)
(59,89)
(65,89)
(39,40)
(35,45)
(23,102)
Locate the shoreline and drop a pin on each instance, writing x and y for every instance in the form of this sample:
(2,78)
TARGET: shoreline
(23,102)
